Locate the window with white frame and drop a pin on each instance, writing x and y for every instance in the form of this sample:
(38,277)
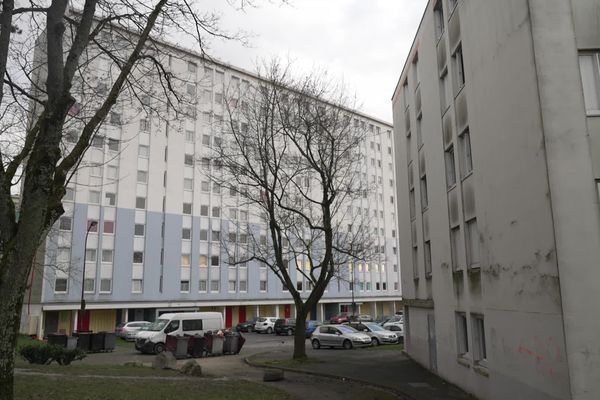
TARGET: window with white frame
(143,151)
(589,65)
(142,176)
(140,203)
(459,67)
(466,157)
(472,243)
(462,337)
(107,255)
(450,167)
(65,223)
(479,345)
(184,286)
(232,279)
(438,14)
(94,197)
(263,279)
(136,286)
(139,230)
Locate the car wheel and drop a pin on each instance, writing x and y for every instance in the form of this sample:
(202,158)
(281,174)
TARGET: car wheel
(269,330)
(375,341)
(159,348)
(347,344)
(290,332)
(316,344)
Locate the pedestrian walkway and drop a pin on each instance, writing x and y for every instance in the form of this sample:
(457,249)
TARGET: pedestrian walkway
(391,370)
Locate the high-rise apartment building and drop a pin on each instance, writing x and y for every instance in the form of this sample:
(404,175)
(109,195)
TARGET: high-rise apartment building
(162,223)
(498,164)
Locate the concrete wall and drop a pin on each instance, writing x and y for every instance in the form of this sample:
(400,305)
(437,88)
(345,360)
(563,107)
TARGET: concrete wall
(516,287)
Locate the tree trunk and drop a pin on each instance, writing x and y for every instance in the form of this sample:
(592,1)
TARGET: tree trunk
(299,335)
(16,265)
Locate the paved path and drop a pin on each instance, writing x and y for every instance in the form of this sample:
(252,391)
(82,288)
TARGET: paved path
(331,374)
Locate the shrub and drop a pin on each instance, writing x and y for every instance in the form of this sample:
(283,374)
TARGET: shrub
(46,353)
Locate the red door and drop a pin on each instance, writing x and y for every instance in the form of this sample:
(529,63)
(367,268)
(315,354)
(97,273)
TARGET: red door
(287,311)
(83,321)
(242,313)
(228,316)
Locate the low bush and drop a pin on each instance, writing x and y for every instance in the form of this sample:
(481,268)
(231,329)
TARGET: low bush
(45,353)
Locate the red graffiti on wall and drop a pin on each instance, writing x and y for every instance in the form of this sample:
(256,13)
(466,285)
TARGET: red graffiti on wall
(546,354)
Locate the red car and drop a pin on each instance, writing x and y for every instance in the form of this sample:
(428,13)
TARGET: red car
(340,318)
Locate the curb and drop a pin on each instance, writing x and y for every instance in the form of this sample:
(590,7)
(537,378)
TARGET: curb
(403,396)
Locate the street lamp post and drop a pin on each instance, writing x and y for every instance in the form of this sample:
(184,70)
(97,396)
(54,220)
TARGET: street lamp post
(91,225)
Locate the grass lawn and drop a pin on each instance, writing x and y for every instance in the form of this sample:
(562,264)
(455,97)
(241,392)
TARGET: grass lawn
(79,388)
(386,347)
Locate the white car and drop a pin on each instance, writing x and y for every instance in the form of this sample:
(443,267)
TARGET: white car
(397,320)
(128,330)
(265,324)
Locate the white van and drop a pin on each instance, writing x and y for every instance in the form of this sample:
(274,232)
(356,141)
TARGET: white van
(153,339)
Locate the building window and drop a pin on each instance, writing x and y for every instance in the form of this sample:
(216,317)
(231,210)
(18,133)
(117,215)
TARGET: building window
(263,279)
(113,145)
(136,286)
(189,136)
(216,235)
(472,242)
(462,337)
(105,285)
(189,159)
(450,167)
(186,233)
(202,285)
(466,159)
(214,285)
(109,227)
(90,255)
(444,92)
(479,347)
(214,261)
(415,260)
(60,285)
(143,151)
(191,67)
(94,197)
(438,14)
(139,230)
(459,67)
(454,246)
(424,195)
(111,172)
(115,118)
(216,212)
(188,184)
(89,285)
(204,210)
(142,176)
(110,199)
(232,279)
(97,141)
(203,235)
(94,227)
(411,202)
(144,125)
(187,208)
(589,65)
(427,255)
(138,257)
(205,186)
(140,203)
(107,256)
(191,89)
(184,286)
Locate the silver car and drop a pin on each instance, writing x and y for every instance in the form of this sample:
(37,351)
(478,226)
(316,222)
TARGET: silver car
(339,336)
(376,332)
(128,330)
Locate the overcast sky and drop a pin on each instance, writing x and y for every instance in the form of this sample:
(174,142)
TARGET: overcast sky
(363,42)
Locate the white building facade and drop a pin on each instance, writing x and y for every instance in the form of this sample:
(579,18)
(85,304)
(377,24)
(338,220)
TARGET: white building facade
(496,128)
(161,222)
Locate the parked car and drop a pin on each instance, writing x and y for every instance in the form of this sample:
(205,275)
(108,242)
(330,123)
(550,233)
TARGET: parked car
(395,320)
(398,330)
(127,330)
(339,336)
(311,325)
(361,318)
(340,318)
(265,324)
(378,334)
(285,326)
(381,319)
(247,326)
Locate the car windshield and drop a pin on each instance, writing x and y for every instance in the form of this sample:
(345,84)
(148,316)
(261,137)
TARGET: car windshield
(346,329)
(374,327)
(158,325)
(261,319)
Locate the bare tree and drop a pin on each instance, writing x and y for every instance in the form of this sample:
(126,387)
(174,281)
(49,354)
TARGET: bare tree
(292,154)
(52,103)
